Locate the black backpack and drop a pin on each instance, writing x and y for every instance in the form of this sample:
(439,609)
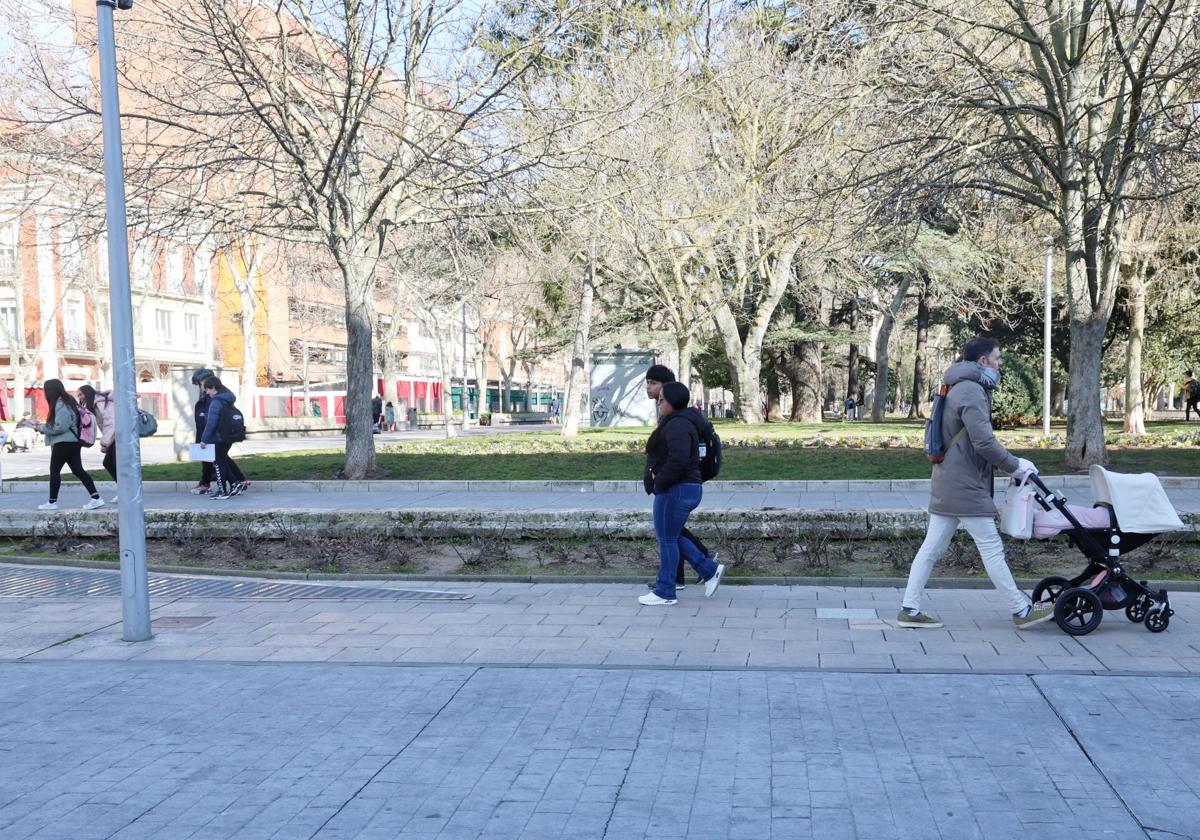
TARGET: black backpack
(710,449)
(232,425)
(1194,390)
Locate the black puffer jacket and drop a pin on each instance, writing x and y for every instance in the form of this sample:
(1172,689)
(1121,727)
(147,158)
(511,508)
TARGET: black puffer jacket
(200,415)
(672,453)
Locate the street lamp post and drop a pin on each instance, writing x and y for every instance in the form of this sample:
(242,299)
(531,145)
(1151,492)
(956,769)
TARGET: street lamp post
(135,592)
(1046,340)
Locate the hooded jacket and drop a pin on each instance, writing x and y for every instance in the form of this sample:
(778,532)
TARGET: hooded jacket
(221,402)
(962,483)
(64,428)
(673,452)
(106,416)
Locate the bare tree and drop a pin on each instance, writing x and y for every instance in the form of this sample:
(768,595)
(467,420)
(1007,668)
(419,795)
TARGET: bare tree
(1073,107)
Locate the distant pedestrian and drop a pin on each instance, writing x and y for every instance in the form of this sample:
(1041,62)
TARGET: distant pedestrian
(656,377)
(554,408)
(672,475)
(1191,396)
(199,418)
(229,479)
(101,404)
(389,416)
(376,411)
(849,409)
(63,435)
(961,490)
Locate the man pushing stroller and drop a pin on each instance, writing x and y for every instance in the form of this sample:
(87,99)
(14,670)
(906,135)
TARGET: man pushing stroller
(961,490)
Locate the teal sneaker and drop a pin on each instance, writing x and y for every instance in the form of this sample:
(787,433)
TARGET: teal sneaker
(1038,613)
(921,620)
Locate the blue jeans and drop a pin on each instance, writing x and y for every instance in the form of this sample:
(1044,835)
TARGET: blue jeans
(671,510)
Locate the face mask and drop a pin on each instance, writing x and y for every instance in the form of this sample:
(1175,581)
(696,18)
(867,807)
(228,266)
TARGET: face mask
(990,376)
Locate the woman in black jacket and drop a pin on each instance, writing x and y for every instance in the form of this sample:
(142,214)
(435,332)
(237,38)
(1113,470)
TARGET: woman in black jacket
(673,475)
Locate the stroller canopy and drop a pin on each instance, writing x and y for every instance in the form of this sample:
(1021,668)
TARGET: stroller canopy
(1139,501)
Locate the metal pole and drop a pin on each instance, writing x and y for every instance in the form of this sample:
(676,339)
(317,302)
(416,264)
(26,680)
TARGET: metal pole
(1046,343)
(463,400)
(135,593)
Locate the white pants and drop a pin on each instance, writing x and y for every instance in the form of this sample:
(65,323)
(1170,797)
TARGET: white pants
(987,539)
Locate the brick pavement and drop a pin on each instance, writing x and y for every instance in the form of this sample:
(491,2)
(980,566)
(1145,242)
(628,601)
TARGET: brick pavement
(333,752)
(602,624)
(542,711)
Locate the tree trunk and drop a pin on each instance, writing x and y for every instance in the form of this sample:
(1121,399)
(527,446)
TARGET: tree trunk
(886,323)
(774,412)
(573,400)
(683,344)
(917,409)
(1134,398)
(357,273)
(852,384)
(1085,429)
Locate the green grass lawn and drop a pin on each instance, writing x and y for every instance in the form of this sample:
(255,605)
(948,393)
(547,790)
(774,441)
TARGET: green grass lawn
(779,451)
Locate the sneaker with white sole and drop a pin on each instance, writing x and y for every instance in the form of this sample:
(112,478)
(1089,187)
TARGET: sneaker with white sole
(220,495)
(921,620)
(48,506)
(710,585)
(92,504)
(652,600)
(1038,614)
(200,490)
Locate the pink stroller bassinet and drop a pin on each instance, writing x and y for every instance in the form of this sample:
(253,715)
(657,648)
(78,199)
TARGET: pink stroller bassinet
(1130,511)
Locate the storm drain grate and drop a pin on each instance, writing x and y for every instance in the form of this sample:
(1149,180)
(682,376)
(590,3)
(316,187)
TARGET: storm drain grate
(26,582)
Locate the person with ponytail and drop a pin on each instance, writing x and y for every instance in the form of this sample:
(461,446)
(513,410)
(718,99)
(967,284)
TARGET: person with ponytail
(62,436)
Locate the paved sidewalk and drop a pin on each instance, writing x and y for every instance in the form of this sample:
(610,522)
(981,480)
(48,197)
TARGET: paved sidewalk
(568,710)
(166,751)
(792,627)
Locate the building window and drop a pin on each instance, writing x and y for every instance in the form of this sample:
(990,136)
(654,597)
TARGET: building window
(163,324)
(8,248)
(8,318)
(74,328)
(191,328)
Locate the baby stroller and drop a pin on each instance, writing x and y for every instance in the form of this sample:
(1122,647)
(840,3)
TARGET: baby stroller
(21,440)
(1130,510)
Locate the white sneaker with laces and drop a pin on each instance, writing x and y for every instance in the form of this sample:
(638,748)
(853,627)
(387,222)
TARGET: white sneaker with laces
(48,506)
(652,600)
(710,585)
(92,504)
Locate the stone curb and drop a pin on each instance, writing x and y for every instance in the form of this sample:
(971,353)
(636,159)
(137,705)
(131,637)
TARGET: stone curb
(853,582)
(451,486)
(471,521)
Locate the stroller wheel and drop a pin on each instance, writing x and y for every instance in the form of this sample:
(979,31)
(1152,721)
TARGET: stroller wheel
(1078,611)
(1157,621)
(1048,589)
(1136,612)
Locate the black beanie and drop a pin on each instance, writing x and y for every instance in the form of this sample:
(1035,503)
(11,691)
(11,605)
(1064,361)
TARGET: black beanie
(677,394)
(660,373)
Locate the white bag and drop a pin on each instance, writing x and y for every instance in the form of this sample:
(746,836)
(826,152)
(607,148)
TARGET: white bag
(1016,514)
(196,452)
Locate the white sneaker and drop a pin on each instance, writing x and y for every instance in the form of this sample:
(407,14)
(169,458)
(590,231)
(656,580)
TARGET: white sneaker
(652,600)
(710,585)
(48,506)
(92,504)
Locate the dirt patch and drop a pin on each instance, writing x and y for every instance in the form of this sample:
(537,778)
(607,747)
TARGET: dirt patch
(785,552)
